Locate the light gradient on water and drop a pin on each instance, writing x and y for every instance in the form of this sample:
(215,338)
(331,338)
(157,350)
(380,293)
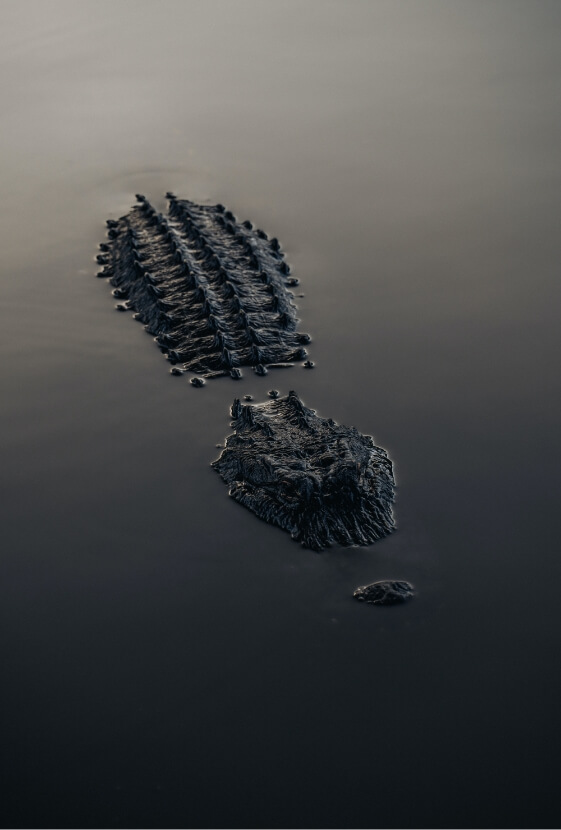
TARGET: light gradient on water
(169,660)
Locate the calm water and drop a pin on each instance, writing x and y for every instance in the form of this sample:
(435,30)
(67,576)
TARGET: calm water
(168,659)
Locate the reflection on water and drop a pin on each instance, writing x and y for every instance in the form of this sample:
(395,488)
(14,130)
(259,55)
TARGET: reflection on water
(170,660)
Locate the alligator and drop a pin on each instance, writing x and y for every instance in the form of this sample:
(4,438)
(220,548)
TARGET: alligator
(323,483)
(212,291)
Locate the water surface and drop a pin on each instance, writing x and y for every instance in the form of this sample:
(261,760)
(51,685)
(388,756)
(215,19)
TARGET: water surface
(169,660)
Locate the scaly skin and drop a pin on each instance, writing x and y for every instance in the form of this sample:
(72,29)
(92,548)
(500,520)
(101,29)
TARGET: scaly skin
(386,592)
(323,483)
(214,294)
(212,291)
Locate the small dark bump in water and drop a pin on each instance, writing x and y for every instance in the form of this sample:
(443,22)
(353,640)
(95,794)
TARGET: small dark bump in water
(273,393)
(197,382)
(309,364)
(235,373)
(260,369)
(103,246)
(293,282)
(247,224)
(248,397)
(385,592)
(171,196)
(111,223)
(121,307)
(140,197)
(304,338)
(175,370)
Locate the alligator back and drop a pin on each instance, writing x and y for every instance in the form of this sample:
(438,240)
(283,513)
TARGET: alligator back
(213,292)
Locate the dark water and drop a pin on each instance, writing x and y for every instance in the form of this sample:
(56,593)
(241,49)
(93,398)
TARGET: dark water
(169,660)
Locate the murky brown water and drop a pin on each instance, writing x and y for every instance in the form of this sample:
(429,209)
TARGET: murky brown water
(169,660)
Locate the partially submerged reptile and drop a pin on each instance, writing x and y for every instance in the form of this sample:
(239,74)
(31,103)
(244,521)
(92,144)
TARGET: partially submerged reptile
(385,592)
(323,483)
(212,291)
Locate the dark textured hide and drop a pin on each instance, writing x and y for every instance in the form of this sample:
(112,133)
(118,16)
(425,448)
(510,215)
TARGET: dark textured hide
(214,293)
(324,483)
(388,592)
(211,290)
